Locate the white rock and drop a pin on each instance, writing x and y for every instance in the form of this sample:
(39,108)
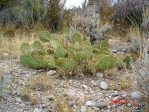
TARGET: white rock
(101,105)
(83,109)
(51,97)
(18,99)
(89,103)
(85,86)
(99,75)
(117,98)
(51,72)
(103,85)
(135,95)
(70,92)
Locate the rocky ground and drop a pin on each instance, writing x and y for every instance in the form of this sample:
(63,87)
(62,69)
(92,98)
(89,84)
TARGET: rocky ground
(81,94)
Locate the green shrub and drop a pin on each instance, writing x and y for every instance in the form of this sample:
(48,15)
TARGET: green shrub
(128,61)
(119,62)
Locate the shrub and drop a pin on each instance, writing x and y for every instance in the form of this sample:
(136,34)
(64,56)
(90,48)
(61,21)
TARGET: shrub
(120,64)
(88,21)
(128,61)
(126,15)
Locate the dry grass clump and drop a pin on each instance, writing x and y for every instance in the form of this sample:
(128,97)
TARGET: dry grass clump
(110,72)
(12,45)
(125,82)
(40,83)
(26,95)
(62,106)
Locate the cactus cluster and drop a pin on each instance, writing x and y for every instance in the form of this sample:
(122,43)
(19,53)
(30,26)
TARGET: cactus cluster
(75,54)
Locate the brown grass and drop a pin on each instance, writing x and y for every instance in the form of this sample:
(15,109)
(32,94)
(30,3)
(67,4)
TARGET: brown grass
(62,106)
(12,45)
(40,82)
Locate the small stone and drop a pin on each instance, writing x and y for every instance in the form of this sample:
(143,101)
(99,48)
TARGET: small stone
(72,103)
(103,85)
(114,94)
(99,75)
(70,92)
(101,105)
(117,98)
(89,103)
(18,99)
(38,110)
(135,95)
(114,51)
(83,109)
(85,86)
(51,72)
(51,97)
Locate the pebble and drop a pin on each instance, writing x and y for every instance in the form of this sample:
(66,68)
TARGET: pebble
(135,95)
(99,75)
(83,109)
(103,85)
(101,105)
(90,103)
(117,98)
(85,87)
(51,97)
(114,94)
(51,72)
(18,99)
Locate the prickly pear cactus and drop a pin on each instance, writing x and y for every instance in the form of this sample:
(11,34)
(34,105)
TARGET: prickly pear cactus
(25,48)
(44,36)
(37,45)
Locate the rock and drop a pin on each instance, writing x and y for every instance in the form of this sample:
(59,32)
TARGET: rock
(72,103)
(51,97)
(99,75)
(85,87)
(114,94)
(38,110)
(18,99)
(51,72)
(135,95)
(117,98)
(101,105)
(103,85)
(70,92)
(114,51)
(90,103)
(83,109)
